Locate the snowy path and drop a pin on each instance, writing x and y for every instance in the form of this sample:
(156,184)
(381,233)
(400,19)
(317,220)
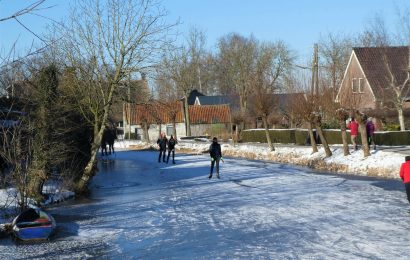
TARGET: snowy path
(143,209)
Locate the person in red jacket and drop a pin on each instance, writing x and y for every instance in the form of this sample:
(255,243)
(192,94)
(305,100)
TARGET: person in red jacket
(405,175)
(354,130)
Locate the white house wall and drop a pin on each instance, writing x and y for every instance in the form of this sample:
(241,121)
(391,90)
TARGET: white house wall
(196,130)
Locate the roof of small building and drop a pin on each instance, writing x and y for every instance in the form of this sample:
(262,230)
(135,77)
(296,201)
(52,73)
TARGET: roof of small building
(217,100)
(156,112)
(192,96)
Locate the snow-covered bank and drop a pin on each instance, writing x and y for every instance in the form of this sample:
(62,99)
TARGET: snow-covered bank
(379,164)
(9,199)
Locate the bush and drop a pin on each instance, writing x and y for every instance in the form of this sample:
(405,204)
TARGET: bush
(286,136)
(331,125)
(300,137)
(392,127)
(392,138)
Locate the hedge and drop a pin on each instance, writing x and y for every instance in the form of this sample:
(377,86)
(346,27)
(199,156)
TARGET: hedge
(300,136)
(285,136)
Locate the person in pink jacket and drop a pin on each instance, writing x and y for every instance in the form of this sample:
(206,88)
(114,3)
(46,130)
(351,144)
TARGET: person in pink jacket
(354,131)
(405,175)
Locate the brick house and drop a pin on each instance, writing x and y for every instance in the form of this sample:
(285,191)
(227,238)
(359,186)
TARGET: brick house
(366,84)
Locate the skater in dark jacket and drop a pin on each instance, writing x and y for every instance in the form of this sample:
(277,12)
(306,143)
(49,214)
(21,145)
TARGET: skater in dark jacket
(171,148)
(162,143)
(405,175)
(216,156)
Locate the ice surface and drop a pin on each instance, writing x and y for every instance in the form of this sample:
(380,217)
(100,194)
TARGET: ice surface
(140,208)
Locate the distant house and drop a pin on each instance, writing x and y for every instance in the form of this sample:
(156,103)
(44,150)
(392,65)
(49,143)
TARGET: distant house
(159,118)
(232,101)
(193,96)
(282,105)
(365,85)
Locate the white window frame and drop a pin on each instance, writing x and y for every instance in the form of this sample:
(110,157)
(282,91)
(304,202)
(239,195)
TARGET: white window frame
(359,87)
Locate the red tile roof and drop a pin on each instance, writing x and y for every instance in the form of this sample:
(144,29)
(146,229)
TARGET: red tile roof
(211,114)
(156,112)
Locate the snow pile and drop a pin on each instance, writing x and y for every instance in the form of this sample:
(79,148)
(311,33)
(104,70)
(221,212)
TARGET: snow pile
(380,163)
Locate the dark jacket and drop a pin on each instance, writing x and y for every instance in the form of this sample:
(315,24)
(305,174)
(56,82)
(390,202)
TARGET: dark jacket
(370,128)
(162,142)
(171,144)
(215,150)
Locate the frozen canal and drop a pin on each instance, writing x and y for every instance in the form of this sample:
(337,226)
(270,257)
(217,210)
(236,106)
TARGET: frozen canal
(142,209)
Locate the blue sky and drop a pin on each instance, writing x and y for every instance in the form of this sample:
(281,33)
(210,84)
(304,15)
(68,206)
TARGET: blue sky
(299,22)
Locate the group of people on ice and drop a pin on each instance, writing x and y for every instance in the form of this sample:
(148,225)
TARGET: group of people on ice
(108,139)
(214,151)
(163,143)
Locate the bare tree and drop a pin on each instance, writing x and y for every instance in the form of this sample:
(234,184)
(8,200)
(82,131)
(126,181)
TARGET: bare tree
(236,60)
(376,33)
(196,45)
(342,116)
(335,52)
(362,119)
(106,42)
(272,62)
(398,89)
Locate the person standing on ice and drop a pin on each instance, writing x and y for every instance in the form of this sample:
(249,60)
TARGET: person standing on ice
(405,175)
(216,156)
(370,132)
(354,130)
(162,143)
(171,148)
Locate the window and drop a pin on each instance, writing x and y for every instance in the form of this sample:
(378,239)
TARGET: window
(357,85)
(170,130)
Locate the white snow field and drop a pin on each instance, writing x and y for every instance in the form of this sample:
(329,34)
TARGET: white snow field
(142,209)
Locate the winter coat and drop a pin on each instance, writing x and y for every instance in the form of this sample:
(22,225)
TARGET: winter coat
(162,142)
(405,171)
(354,127)
(215,150)
(171,144)
(370,128)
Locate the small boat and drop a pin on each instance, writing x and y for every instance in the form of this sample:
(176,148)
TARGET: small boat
(33,224)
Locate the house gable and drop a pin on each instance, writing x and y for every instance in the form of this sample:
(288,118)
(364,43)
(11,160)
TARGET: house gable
(355,90)
(380,66)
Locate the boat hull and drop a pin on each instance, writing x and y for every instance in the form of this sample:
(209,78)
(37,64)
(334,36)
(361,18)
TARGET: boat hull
(36,228)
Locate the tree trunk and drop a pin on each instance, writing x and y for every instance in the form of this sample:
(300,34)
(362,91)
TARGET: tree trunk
(35,186)
(174,126)
(187,120)
(363,136)
(312,138)
(361,120)
(344,138)
(265,124)
(324,141)
(146,133)
(90,168)
(401,119)
(89,172)
(232,133)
